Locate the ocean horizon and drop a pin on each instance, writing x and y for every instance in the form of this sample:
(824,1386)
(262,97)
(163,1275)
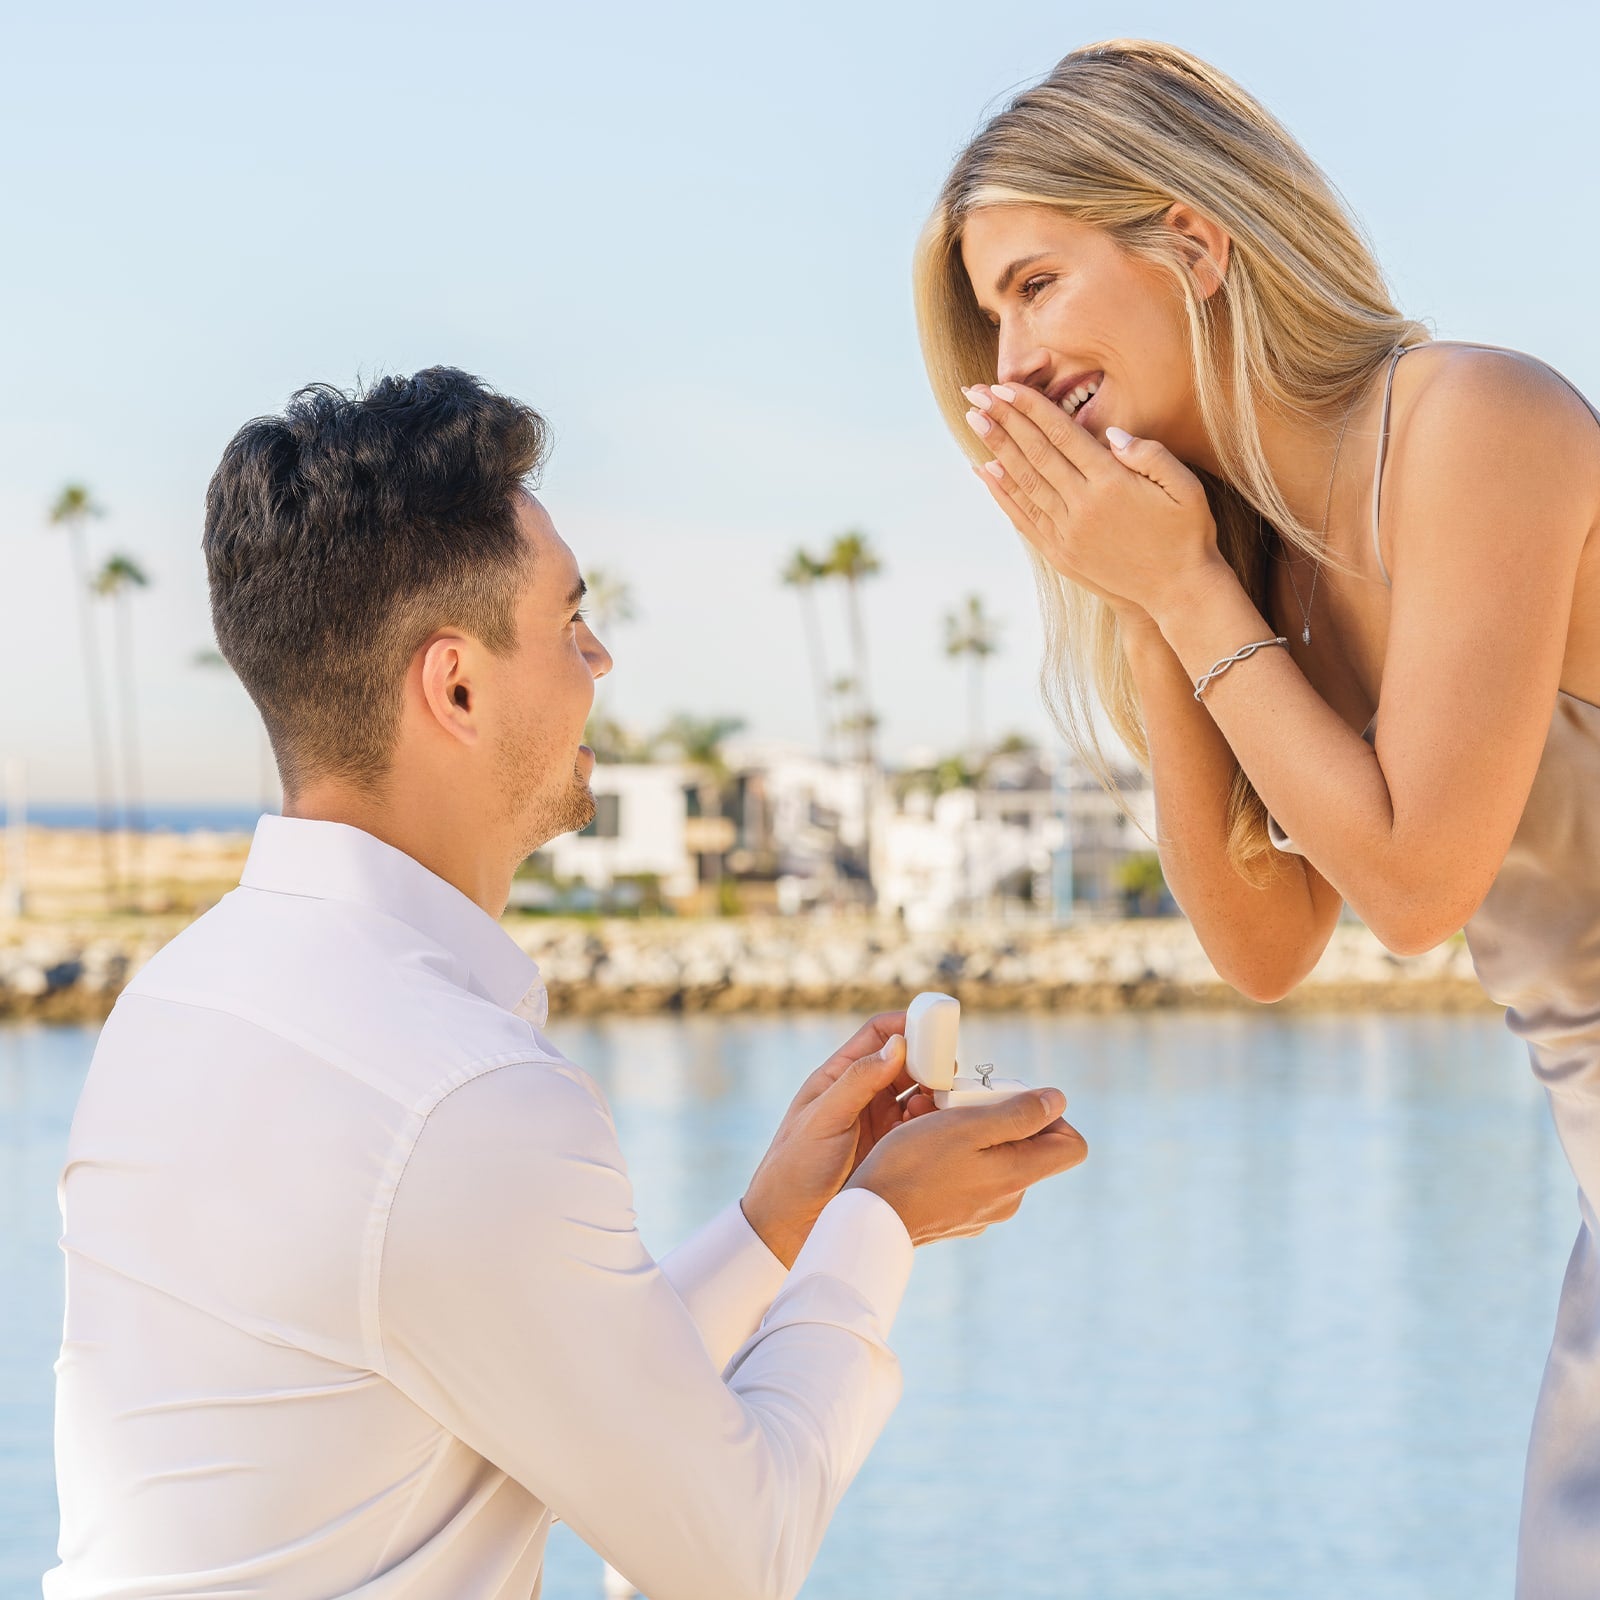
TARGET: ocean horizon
(157,817)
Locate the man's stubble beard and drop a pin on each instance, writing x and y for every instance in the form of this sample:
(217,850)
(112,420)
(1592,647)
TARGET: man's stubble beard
(573,812)
(533,809)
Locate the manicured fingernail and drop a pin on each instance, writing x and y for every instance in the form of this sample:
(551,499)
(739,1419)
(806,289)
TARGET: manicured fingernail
(994,469)
(1002,391)
(978,397)
(893,1045)
(979,423)
(1118,438)
(1053,1101)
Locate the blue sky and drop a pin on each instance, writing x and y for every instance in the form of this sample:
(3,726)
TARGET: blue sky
(683,233)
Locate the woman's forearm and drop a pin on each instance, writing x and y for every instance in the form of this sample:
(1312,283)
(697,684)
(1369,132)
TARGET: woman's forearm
(1318,777)
(1262,940)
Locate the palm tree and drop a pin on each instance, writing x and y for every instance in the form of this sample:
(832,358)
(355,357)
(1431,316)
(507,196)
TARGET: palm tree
(802,574)
(851,559)
(613,741)
(972,633)
(73,509)
(609,599)
(698,742)
(859,722)
(116,581)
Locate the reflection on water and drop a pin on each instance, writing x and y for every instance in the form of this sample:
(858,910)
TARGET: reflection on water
(1281,1336)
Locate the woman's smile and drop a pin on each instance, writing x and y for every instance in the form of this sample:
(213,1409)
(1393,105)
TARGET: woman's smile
(1074,394)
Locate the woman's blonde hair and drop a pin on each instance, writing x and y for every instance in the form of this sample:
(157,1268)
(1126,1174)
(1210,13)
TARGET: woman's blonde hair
(1114,137)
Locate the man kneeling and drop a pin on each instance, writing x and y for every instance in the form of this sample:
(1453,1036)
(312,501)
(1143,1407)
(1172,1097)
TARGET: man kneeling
(355,1300)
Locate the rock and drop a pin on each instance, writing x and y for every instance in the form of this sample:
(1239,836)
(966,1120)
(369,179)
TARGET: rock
(63,975)
(837,963)
(28,979)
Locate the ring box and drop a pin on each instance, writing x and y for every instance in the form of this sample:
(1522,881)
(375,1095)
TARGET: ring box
(933,1036)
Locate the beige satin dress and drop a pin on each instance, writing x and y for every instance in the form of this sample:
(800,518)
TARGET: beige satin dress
(1535,943)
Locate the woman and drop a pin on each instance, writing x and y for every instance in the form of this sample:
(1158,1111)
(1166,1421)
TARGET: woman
(1320,572)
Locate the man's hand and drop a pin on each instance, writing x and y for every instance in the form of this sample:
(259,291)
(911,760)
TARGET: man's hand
(952,1174)
(841,1112)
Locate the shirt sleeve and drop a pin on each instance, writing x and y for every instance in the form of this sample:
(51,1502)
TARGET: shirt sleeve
(727,1278)
(519,1307)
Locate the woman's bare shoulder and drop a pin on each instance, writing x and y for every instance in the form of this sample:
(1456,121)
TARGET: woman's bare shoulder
(1483,395)
(1466,413)
(1491,454)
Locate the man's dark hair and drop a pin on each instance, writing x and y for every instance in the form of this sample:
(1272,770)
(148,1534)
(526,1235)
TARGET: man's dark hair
(341,534)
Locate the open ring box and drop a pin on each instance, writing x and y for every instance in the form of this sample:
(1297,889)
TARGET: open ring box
(933,1035)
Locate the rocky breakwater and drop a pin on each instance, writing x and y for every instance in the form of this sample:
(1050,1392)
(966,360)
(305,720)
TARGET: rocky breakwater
(61,974)
(782,964)
(804,964)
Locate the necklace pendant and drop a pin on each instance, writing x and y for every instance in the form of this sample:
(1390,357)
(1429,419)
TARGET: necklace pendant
(1305,638)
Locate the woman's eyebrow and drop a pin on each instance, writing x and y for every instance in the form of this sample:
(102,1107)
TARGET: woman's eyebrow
(1004,281)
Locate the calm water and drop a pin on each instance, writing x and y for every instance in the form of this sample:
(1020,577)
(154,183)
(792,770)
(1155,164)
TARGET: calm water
(156,817)
(1281,1336)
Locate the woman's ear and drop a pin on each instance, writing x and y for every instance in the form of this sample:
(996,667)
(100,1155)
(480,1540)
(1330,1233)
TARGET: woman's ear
(1205,243)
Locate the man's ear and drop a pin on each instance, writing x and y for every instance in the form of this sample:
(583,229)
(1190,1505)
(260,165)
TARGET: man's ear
(1205,243)
(448,690)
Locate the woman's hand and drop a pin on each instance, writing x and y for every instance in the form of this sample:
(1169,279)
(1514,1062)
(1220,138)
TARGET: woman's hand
(1130,523)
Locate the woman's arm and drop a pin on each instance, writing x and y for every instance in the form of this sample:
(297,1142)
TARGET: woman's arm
(1494,479)
(1262,941)
(1491,497)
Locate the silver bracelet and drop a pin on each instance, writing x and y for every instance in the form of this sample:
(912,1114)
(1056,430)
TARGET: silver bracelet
(1243,654)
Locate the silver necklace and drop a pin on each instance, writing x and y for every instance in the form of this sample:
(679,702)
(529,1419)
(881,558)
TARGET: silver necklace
(1327,507)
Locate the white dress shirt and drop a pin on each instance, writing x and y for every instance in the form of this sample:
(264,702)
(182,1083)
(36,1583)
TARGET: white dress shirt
(356,1302)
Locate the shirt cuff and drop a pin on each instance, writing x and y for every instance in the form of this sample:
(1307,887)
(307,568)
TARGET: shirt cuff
(860,1239)
(726,1278)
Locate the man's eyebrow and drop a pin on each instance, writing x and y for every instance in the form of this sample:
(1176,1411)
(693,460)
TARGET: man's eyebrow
(1004,281)
(580,589)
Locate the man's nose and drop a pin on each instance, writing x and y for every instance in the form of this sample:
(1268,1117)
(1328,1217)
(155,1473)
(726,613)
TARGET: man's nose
(599,659)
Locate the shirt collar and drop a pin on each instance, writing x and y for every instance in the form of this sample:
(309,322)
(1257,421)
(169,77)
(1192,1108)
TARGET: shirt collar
(333,861)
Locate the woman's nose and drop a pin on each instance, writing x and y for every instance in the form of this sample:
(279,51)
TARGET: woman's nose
(1019,358)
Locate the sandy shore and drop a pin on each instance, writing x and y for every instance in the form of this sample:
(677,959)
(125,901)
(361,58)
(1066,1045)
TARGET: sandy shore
(70,955)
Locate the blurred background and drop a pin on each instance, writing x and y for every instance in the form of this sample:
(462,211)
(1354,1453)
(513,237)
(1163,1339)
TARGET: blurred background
(1284,1333)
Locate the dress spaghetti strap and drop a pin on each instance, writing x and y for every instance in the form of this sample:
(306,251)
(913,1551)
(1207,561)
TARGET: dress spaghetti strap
(1383,451)
(1388,397)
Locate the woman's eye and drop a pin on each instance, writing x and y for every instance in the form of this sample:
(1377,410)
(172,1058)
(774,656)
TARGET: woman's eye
(1032,287)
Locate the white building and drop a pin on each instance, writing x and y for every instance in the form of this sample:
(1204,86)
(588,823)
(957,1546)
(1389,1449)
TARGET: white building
(957,854)
(1106,830)
(1040,838)
(640,827)
(803,817)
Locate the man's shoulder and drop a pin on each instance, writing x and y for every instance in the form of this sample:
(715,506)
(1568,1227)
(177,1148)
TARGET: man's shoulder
(341,982)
